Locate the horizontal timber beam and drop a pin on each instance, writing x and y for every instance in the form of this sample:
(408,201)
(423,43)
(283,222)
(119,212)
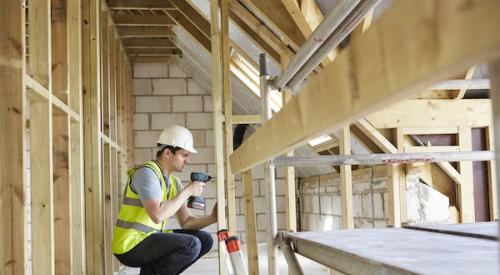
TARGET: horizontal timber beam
(144,31)
(378,159)
(142,20)
(139,5)
(152,51)
(364,78)
(154,59)
(415,113)
(163,43)
(457,84)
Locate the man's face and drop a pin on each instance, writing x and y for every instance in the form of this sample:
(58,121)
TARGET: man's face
(179,160)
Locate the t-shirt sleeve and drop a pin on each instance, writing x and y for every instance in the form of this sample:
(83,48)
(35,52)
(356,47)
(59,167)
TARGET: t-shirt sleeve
(145,182)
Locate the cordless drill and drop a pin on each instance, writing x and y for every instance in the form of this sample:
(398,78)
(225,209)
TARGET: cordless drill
(198,202)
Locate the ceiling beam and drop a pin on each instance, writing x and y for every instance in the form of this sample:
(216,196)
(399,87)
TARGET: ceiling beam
(193,15)
(153,51)
(365,78)
(139,4)
(145,32)
(274,14)
(153,59)
(193,30)
(142,20)
(163,43)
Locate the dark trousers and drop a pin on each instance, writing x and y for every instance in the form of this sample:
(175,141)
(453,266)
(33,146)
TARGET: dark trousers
(168,253)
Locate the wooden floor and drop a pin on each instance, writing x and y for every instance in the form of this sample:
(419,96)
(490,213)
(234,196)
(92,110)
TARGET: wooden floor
(405,251)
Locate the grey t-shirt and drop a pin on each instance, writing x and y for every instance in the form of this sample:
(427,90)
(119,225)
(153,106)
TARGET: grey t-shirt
(145,183)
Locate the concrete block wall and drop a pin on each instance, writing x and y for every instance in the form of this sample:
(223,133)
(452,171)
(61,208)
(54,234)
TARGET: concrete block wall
(163,95)
(320,203)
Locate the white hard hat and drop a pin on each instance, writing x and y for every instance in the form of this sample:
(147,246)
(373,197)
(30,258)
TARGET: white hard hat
(177,136)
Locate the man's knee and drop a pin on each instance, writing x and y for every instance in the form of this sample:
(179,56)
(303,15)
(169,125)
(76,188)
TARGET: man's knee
(194,247)
(206,241)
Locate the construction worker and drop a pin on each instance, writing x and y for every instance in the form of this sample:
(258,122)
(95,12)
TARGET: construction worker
(153,194)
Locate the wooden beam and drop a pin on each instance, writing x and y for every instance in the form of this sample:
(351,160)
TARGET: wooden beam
(494,72)
(310,116)
(250,224)
(467,84)
(468,76)
(290,197)
(145,43)
(153,59)
(42,207)
(246,119)
(145,32)
(140,5)
(228,116)
(92,142)
(153,52)
(13,258)
(433,113)
(367,128)
(346,181)
(466,189)
(142,20)
(293,9)
(193,15)
(276,17)
(192,29)
(492,180)
(76,137)
(61,135)
(218,129)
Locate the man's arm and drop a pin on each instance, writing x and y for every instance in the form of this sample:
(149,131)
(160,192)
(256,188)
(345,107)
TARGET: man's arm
(159,210)
(195,223)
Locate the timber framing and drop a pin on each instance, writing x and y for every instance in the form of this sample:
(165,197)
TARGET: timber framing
(315,119)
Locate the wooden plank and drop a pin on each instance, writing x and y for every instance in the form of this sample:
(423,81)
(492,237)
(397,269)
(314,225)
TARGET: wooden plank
(394,209)
(454,84)
(107,181)
(430,131)
(192,29)
(466,189)
(367,128)
(293,9)
(276,17)
(346,181)
(290,197)
(431,149)
(160,43)
(193,15)
(13,258)
(142,32)
(246,119)
(153,52)
(494,72)
(139,5)
(468,76)
(386,251)
(310,116)
(218,130)
(250,223)
(433,113)
(492,180)
(142,20)
(76,137)
(42,207)
(399,137)
(228,116)
(61,135)
(239,12)
(153,59)
(92,143)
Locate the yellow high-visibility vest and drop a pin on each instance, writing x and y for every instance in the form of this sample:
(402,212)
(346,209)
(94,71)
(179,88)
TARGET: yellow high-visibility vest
(134,224)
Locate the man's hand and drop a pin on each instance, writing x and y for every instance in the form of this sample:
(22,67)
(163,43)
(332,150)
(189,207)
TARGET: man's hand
(214,213)
(196,188)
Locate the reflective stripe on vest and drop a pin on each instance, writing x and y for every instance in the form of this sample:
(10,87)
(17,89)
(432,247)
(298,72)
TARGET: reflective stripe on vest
(134,224)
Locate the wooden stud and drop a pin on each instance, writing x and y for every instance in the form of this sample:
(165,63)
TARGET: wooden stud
(92,143)
(290,204)
(494,72)
(492,177)
(228,117)
(346,181)
(142,32)
(466,189)
(401,174)
(42,207)
(13,258)
(218,130)
(310,116)
(250,224)
(61,136)
(468,76)
(142,20)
